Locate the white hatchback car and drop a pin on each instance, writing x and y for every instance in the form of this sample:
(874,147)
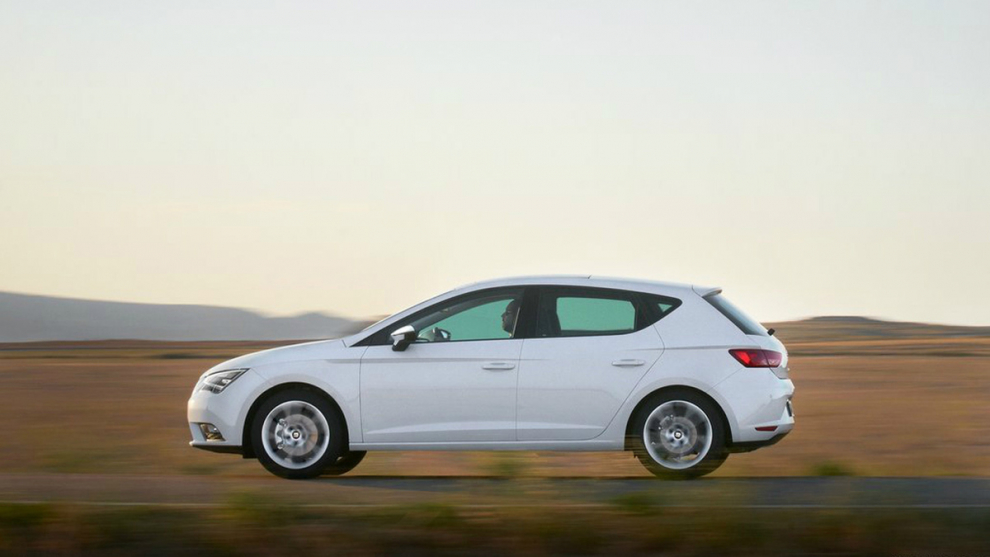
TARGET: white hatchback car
(673,373)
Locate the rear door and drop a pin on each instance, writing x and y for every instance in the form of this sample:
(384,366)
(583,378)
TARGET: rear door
(590,349)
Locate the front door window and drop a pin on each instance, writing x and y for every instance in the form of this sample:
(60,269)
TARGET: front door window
(487,317)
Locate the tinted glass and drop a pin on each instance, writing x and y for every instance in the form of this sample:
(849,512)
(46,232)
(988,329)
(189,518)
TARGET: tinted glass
(486,318)
(662,304)
(664,307)
(565,313)
(745,323)
(582,315)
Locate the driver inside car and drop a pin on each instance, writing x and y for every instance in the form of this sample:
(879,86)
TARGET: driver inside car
(508,324)
(509,317)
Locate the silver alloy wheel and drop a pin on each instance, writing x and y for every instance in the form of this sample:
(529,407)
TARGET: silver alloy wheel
(295,434)
(677,434)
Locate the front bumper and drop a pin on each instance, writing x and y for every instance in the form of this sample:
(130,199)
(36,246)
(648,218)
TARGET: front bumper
(213,447)
(226,411)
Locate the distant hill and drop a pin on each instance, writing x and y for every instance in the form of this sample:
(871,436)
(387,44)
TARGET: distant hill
(25,318)
(29,318)
(851,328)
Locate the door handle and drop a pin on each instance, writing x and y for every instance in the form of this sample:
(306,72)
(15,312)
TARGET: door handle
(498,366)
(628,363)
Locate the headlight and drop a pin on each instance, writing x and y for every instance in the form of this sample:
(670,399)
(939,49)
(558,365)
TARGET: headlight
(217,381)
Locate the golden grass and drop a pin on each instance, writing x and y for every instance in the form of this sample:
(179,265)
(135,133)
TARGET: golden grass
(941,347)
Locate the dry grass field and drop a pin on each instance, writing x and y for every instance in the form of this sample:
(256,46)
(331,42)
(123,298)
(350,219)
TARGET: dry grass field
(107,420)
(873,407)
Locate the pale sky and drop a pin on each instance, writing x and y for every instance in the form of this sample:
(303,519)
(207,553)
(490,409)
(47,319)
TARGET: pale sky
(813,158)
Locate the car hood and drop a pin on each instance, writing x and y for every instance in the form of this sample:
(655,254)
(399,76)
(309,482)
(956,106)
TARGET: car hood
(319,350)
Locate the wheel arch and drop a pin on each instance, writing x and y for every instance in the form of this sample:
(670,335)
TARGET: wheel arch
(669,388)
(247,442)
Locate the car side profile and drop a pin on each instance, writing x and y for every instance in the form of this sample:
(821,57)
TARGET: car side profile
(673,373)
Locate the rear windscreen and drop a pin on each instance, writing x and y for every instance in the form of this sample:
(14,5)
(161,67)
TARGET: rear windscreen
(745,323)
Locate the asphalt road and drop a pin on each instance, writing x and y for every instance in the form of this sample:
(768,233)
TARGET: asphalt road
(375,491)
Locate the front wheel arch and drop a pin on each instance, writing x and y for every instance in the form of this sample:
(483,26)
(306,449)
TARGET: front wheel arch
(632,415)
(246,440)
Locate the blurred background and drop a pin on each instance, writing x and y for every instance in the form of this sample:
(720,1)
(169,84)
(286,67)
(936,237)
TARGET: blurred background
(185,182)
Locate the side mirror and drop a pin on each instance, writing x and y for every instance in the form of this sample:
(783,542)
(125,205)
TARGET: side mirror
(403,337)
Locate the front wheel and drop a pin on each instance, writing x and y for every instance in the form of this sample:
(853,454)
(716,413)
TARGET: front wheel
(679,435)
(299,433)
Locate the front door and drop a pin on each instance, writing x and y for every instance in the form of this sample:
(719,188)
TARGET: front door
(456,383)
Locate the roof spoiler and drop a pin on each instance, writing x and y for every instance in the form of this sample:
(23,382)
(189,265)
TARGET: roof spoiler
(705,291)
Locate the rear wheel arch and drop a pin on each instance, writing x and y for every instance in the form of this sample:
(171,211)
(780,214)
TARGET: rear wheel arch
(247,441)
(630,421)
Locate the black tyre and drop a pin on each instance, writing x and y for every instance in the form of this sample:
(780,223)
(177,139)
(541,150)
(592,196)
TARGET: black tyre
(345,463)
(297,433)
(679,435)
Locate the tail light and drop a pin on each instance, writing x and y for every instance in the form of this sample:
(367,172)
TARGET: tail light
(754,357)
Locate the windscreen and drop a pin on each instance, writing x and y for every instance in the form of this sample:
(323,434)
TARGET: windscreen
(745,323)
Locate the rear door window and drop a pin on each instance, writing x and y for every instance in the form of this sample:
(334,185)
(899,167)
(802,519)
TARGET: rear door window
(579,311)
(590,316)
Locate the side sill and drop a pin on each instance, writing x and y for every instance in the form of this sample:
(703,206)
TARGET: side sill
(567,446)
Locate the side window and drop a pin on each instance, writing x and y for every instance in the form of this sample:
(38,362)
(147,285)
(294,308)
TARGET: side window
(569,314)
(662,305)
(595,315)
(487,317)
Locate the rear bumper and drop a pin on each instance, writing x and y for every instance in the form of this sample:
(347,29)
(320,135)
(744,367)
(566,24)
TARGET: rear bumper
(759,405)
(747,446)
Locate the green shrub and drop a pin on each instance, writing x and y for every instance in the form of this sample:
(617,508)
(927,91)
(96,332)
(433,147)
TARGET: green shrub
(832,468)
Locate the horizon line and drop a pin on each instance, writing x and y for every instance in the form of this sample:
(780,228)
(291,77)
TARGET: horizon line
(374,318)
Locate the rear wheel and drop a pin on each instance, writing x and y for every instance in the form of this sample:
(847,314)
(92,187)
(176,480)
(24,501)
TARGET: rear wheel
(679,435)
(299,433)
(345,463)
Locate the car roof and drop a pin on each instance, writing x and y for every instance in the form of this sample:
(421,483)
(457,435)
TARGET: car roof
(592,280)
